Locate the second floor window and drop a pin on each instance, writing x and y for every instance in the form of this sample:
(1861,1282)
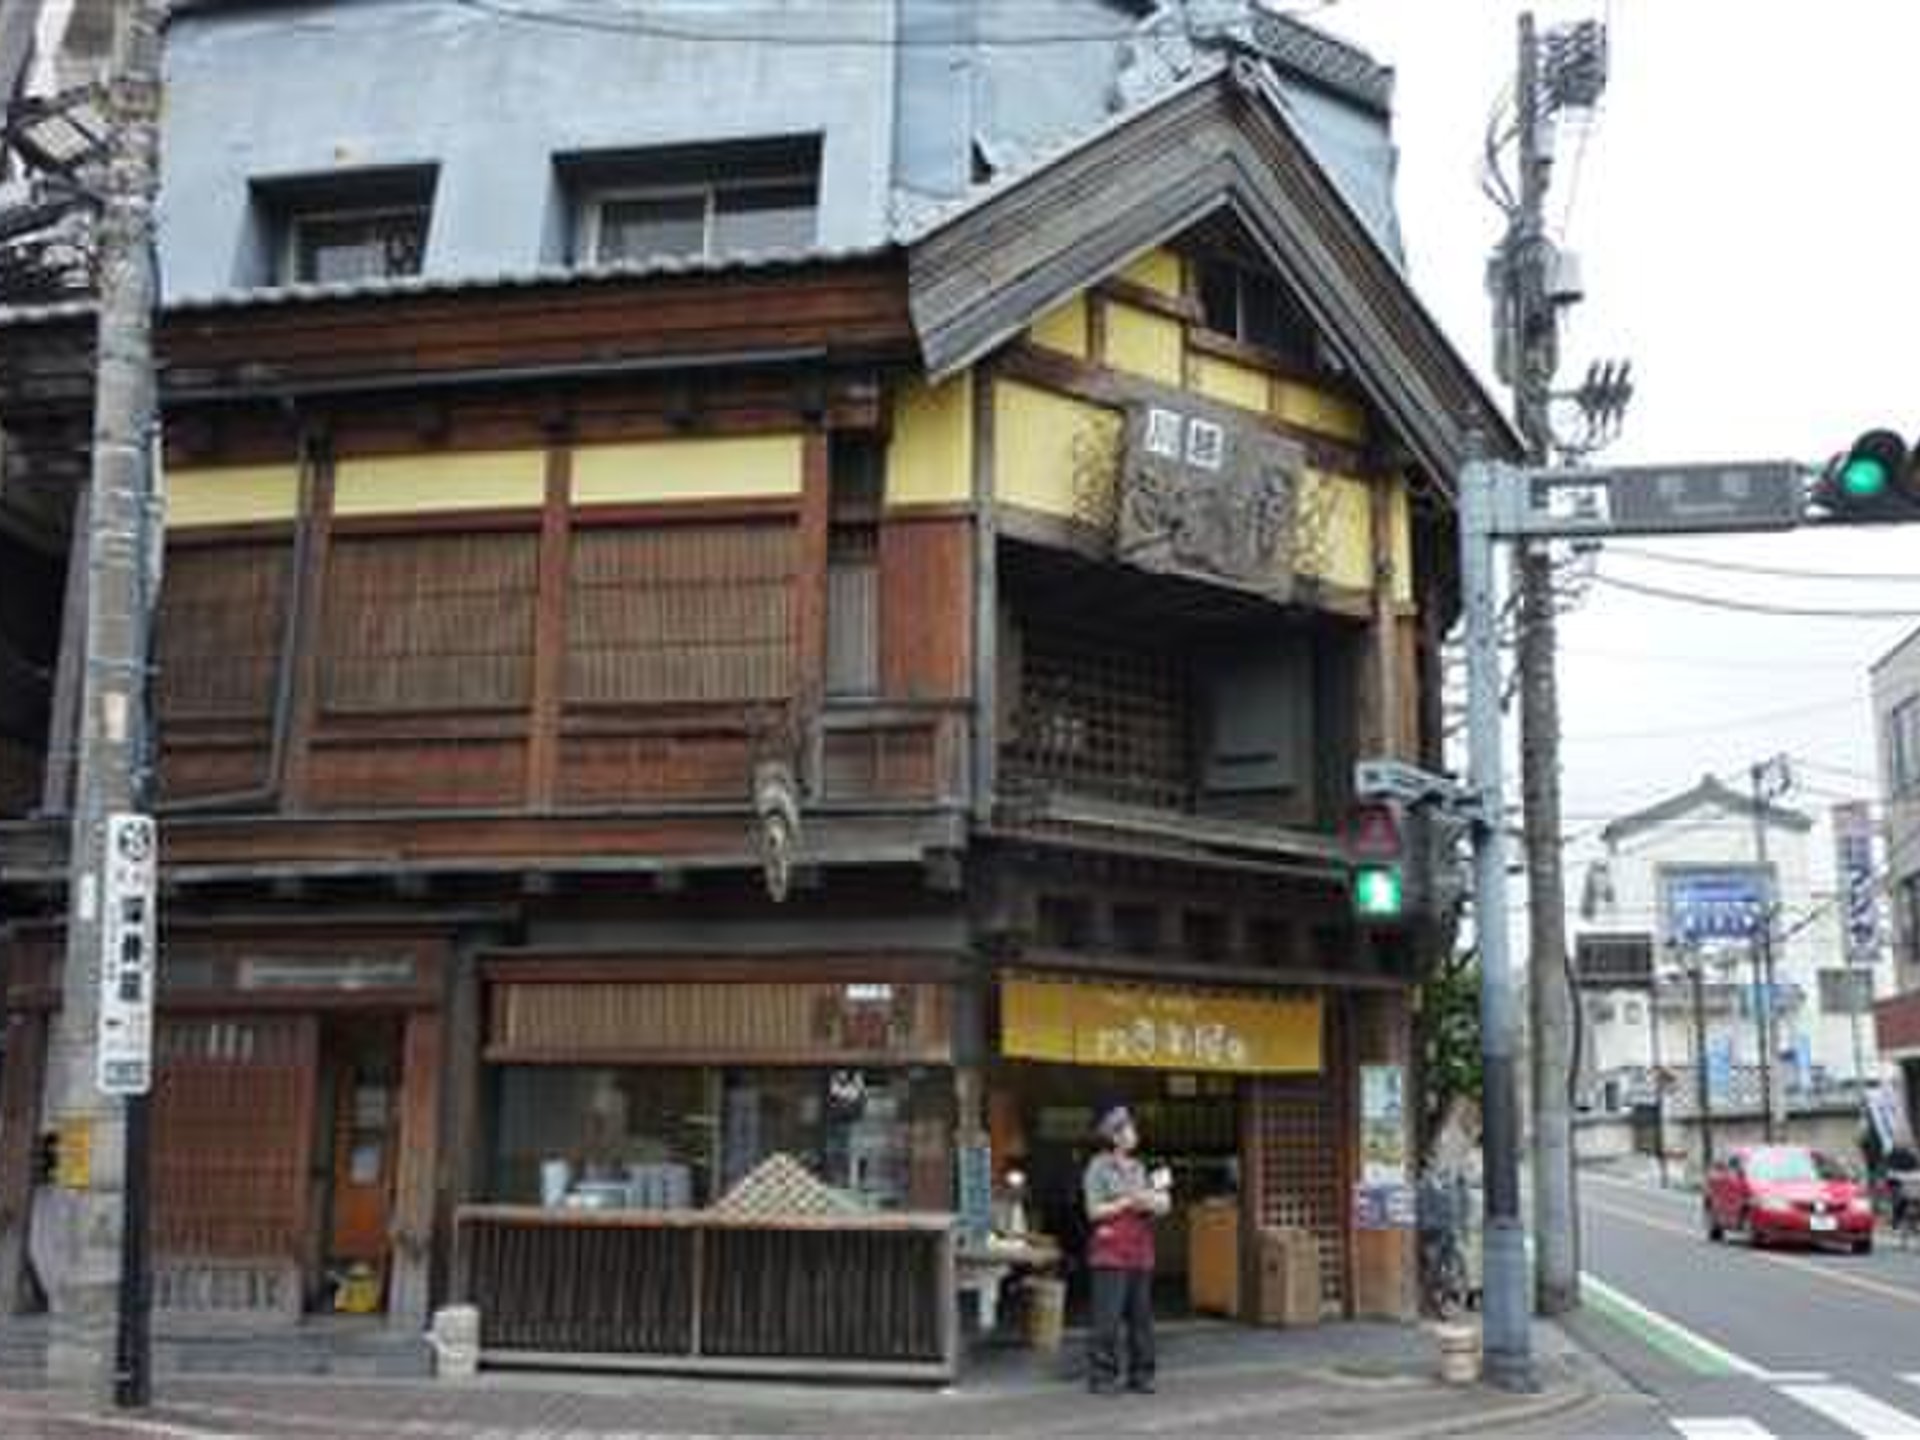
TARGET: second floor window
(694,202)
(718,219)
(343,226)
(357,245)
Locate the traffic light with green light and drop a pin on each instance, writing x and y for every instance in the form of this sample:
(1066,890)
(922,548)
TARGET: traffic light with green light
(1379,891)
(1376,846)
(1877,481)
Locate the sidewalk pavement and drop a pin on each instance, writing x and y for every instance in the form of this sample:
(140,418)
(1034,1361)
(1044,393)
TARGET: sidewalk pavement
(1374,1380)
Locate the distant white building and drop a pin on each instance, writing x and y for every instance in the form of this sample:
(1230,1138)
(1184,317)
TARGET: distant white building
(1676,895)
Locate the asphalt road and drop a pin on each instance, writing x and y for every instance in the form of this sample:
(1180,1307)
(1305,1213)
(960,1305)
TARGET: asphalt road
(1732,1343)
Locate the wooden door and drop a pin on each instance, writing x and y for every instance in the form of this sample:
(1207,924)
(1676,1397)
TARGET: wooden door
(365,1135)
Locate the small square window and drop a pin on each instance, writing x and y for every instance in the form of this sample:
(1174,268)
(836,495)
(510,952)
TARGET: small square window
(343,226)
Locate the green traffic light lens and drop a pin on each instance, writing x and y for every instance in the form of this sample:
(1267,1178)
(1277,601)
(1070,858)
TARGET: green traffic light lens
(1377,891)
(1865,477)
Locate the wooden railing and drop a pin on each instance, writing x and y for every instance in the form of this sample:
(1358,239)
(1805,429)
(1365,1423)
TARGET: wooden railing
(864,1295)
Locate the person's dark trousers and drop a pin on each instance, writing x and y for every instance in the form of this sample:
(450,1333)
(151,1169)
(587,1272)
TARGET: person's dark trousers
(1122,1311)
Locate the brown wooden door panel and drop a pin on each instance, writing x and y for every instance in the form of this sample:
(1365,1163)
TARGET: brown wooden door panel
(232,1134)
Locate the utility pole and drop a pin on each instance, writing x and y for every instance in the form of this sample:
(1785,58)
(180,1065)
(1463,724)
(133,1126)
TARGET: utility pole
(96,1343)
(1769,778)
(1534,357)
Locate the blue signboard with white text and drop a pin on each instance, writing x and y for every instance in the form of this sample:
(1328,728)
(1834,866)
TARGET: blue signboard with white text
(1704,905)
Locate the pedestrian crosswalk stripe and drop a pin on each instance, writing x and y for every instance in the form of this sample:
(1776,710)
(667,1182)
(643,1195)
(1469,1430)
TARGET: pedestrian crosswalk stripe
(1856,1410)
(1722,1427)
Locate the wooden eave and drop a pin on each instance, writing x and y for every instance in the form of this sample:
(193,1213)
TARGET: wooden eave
(279,347)
(256,849)
(1219,146)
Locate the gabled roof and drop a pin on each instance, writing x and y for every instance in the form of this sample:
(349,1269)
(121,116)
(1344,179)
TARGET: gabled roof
(1710,794)
(1221,143)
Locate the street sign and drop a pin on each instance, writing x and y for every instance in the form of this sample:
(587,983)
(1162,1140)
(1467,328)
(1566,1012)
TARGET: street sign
(1859,895)
(1650,499)
(127,956)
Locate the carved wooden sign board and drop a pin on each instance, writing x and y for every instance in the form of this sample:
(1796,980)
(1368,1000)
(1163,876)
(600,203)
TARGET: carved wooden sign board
(1209,496)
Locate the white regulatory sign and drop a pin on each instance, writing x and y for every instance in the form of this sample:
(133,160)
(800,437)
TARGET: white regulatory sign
(127,956)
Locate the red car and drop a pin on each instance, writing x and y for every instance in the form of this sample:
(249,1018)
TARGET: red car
(1788,1192)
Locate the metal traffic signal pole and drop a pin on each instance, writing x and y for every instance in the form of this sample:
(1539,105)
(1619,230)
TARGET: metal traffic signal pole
(1501,502)
(96,1344)
(1506,1341)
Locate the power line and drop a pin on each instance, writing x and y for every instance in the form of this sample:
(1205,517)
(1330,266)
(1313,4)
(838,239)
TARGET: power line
(1708,727)
(1733,567)
(1711,662)
(634,25)
(1751,607)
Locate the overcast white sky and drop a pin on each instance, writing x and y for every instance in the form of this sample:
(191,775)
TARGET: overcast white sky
(1743,212)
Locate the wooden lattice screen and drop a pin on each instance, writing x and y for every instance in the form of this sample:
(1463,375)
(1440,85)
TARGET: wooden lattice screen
(222,612)
(232,1131)
(681,613)
(429,622)
(1101,714)
(1302,1168)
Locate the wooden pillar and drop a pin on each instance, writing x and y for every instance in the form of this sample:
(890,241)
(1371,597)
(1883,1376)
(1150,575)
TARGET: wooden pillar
(1385,1273)
(461,1179)
(21,1077)
(309,595)
(409,1291)
(810,597)
(550,626)
(1382,731)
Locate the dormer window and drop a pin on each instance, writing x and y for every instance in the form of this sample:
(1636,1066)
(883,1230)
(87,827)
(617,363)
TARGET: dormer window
(694,202)
(344,226)
(332,248)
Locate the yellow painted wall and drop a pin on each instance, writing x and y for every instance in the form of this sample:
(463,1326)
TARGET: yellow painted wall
(657,471)
(1053,453)
(431,484)
(1231,383)
(1064,328)
(1156,270)
(231,495)
(1144,344)
(1336,518)
(1312,409)
(930,457)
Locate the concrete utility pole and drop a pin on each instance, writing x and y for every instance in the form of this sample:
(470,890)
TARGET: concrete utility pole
(1534,357)
(83,1220)
(1770,779)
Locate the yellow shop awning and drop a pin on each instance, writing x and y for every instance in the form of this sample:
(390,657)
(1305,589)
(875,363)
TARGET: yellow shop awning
(1148,1027)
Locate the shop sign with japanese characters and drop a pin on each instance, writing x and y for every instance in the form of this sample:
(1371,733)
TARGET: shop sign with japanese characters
(1211,496)
(1143,1027)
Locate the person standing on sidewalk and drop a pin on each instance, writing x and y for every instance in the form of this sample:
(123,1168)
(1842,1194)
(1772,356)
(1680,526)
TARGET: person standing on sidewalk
(1121,1205)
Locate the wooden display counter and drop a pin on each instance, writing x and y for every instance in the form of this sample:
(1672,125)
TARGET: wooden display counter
(866,1296)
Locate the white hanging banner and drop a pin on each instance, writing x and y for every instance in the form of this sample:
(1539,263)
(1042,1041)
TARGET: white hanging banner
(128,946)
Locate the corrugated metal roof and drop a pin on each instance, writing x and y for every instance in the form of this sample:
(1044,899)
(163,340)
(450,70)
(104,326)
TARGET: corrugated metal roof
(408,285)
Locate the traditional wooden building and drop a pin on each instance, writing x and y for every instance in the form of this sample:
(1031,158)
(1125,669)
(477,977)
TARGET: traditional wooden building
(763,683)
